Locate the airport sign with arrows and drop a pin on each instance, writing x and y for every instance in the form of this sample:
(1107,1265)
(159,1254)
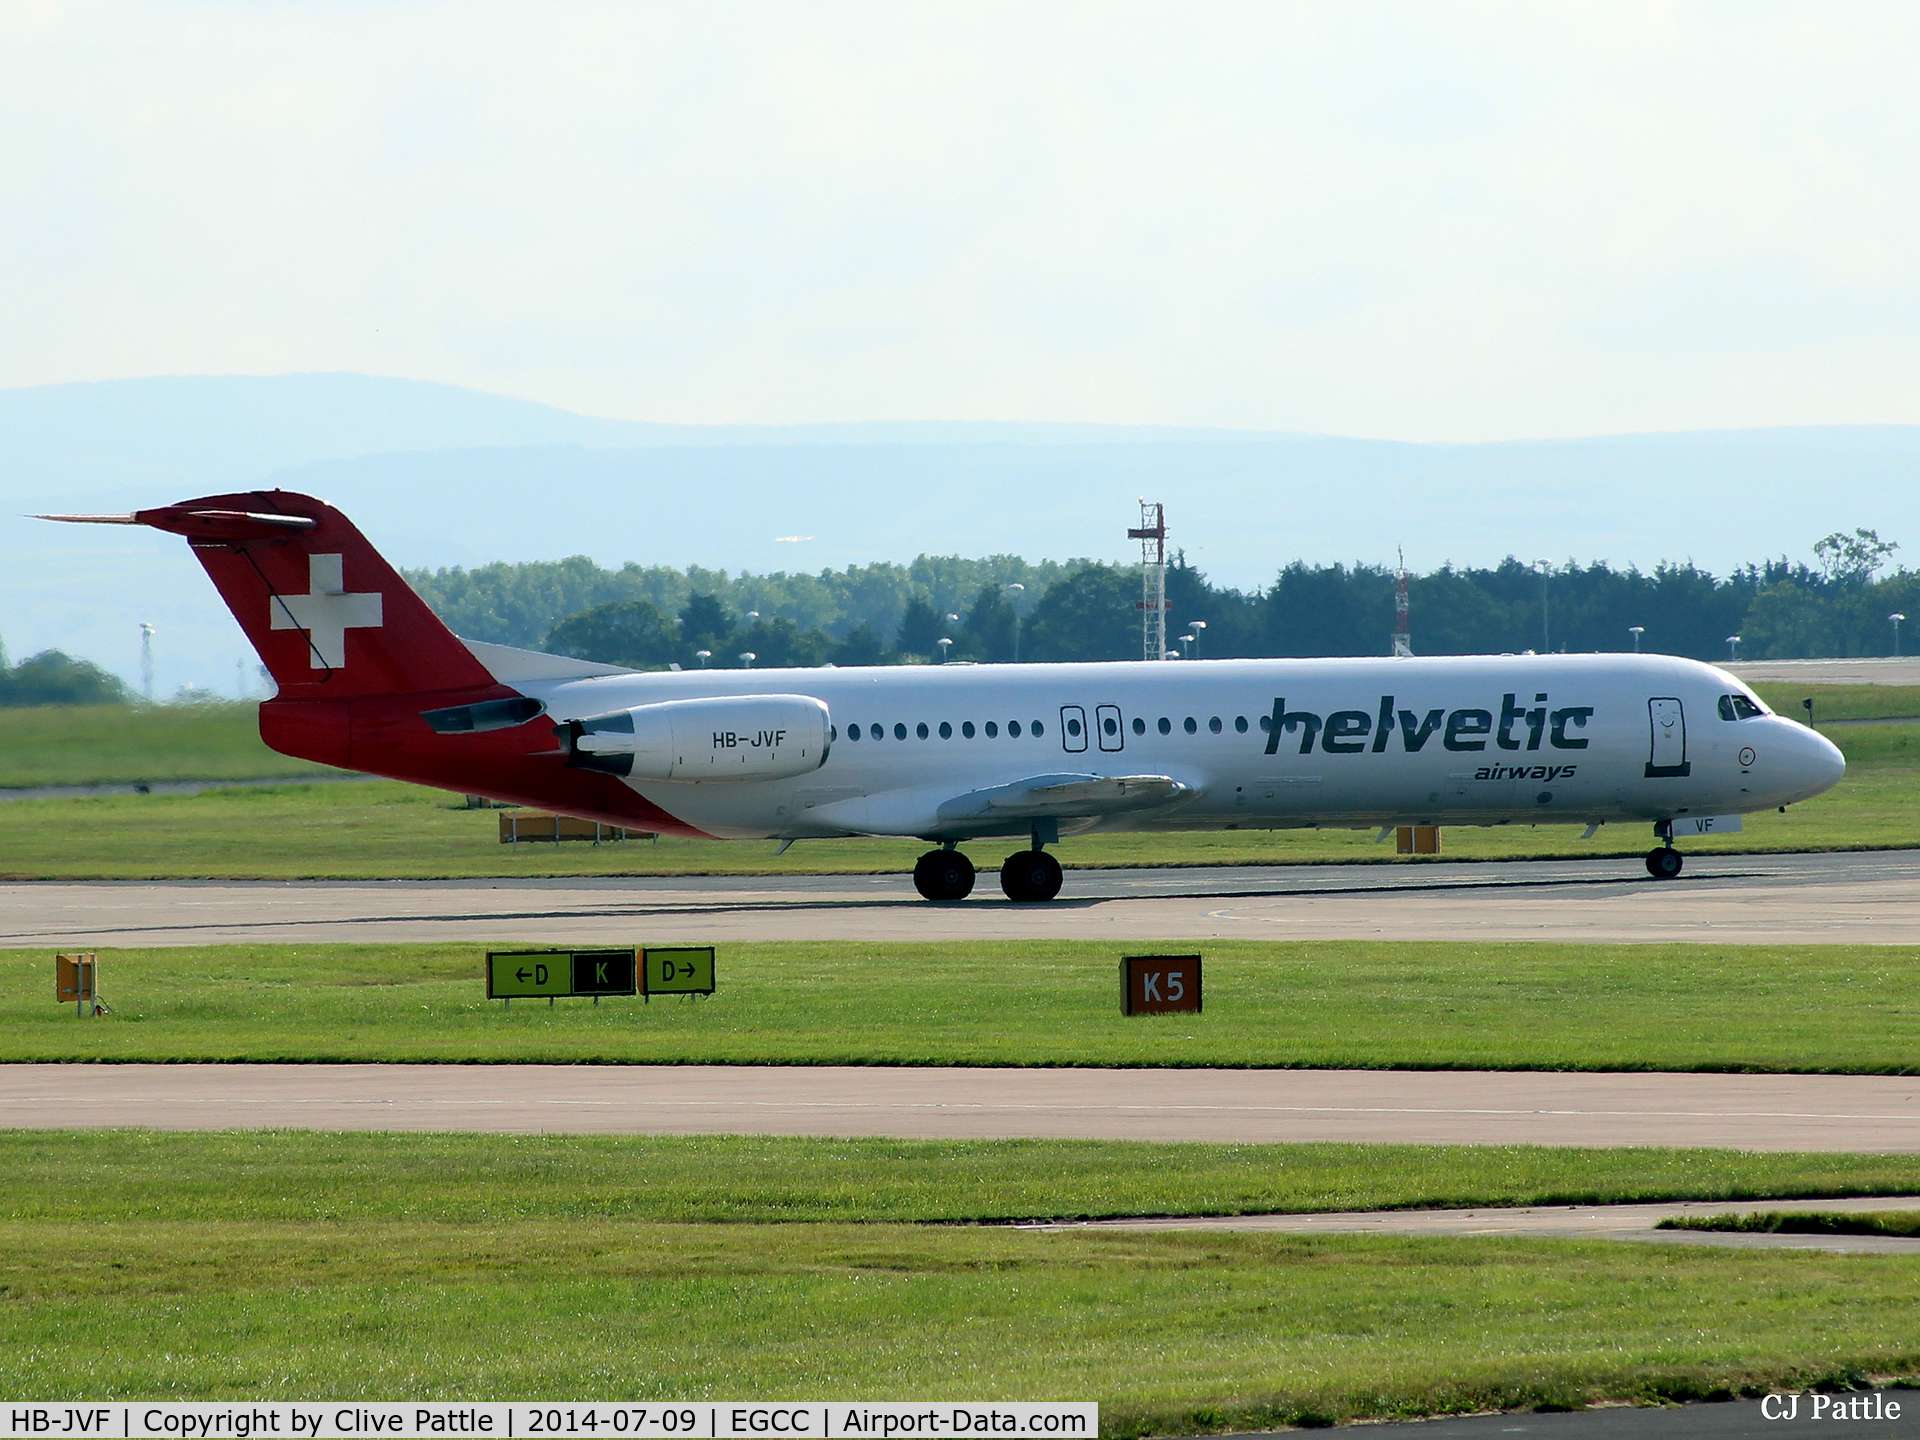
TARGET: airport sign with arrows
(678,970)
(527,974)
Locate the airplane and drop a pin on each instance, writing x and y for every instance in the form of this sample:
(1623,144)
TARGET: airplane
(370,679)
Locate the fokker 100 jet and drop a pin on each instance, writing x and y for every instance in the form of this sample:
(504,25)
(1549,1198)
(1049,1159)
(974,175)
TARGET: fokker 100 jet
(370,679)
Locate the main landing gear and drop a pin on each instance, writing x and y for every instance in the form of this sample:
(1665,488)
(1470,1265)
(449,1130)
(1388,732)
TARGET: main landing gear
(1663,861)
(943,875)
(1027,876)
(1030,875)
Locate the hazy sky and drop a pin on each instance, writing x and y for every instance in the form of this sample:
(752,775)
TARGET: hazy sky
(1427,221)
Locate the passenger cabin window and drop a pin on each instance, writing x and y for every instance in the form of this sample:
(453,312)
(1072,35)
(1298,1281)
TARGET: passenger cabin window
(993,729)
(876,732)
(1240,723)
(1189,726)
(899,732)
(1166,726)
(921,729)
(1139,726)
(946,730)
(1738,707)
(1013,728)
(1214,725)
(966,728)
(1038,728)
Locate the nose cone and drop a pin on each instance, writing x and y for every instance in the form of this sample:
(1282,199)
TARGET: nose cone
(1809,764)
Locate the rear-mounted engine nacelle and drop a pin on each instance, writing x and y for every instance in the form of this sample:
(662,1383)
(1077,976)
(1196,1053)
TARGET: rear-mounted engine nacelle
(738,737)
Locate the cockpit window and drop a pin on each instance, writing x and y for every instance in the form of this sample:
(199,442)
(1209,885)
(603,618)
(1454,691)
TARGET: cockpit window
(1738,707)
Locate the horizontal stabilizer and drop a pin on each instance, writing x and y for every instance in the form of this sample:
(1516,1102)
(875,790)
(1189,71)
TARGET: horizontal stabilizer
(511,666)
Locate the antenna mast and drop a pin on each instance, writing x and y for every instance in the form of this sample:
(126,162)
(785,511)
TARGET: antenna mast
(1402,637)
(146,660)
(1152,604)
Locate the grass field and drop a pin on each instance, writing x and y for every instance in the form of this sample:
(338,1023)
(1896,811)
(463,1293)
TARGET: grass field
(190,1266)
(1344,1004)
(285,1265)
(92,744)
(1843,702)
(392,831)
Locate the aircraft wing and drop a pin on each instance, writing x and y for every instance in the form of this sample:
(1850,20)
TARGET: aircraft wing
(1066,795)
(1003,809)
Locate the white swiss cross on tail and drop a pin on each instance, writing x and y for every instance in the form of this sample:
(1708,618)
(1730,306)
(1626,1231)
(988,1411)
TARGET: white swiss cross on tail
(327,613)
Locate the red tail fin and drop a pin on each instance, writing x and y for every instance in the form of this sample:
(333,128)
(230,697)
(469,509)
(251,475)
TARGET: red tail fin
(330,618)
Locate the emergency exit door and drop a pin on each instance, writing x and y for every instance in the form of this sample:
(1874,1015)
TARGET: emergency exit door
(1668,753)
(1107,723)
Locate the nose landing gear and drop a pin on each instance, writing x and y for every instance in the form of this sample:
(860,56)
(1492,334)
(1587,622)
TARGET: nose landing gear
(943,875)
(1663,862)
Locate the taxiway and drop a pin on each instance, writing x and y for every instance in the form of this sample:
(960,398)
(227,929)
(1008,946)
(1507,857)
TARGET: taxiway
(1870,897)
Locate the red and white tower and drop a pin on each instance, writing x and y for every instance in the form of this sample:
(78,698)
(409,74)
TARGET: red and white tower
(1152,604)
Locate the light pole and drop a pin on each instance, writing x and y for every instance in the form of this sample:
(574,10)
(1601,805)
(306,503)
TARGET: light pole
(945,644)
(1185,640)
(147,633)
(1636,631)
(1545,567)
(747,657)
(1199,629)
(1733,647)
(1896,619)
(703,656)
(1019,592)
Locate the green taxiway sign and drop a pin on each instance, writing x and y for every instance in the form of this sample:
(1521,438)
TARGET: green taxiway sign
(521,974)
(678,970)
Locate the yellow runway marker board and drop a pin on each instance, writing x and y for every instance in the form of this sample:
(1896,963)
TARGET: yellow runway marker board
(526,974)
(677,970)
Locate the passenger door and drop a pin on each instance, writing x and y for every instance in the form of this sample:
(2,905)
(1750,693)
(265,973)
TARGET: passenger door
(1073,728)
(1667,754)
(1112,734)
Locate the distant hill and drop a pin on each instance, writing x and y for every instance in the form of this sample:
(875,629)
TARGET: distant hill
(438,475)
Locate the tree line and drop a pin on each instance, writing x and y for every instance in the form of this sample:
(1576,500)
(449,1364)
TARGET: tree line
(55,678)
(1002,607)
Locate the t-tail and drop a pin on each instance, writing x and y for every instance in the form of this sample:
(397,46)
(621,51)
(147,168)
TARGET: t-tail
(369,677)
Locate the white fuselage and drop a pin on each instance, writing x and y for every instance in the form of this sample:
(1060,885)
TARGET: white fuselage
(1475,740)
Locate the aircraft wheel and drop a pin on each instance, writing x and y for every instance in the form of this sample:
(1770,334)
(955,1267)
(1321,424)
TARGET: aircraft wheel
(943,875)
(1663,863)
(1030,875)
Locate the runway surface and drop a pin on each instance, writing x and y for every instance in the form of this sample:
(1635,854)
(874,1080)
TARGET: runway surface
(1867,897)
(1870,1113)
(1562,1222)
(1884,671)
